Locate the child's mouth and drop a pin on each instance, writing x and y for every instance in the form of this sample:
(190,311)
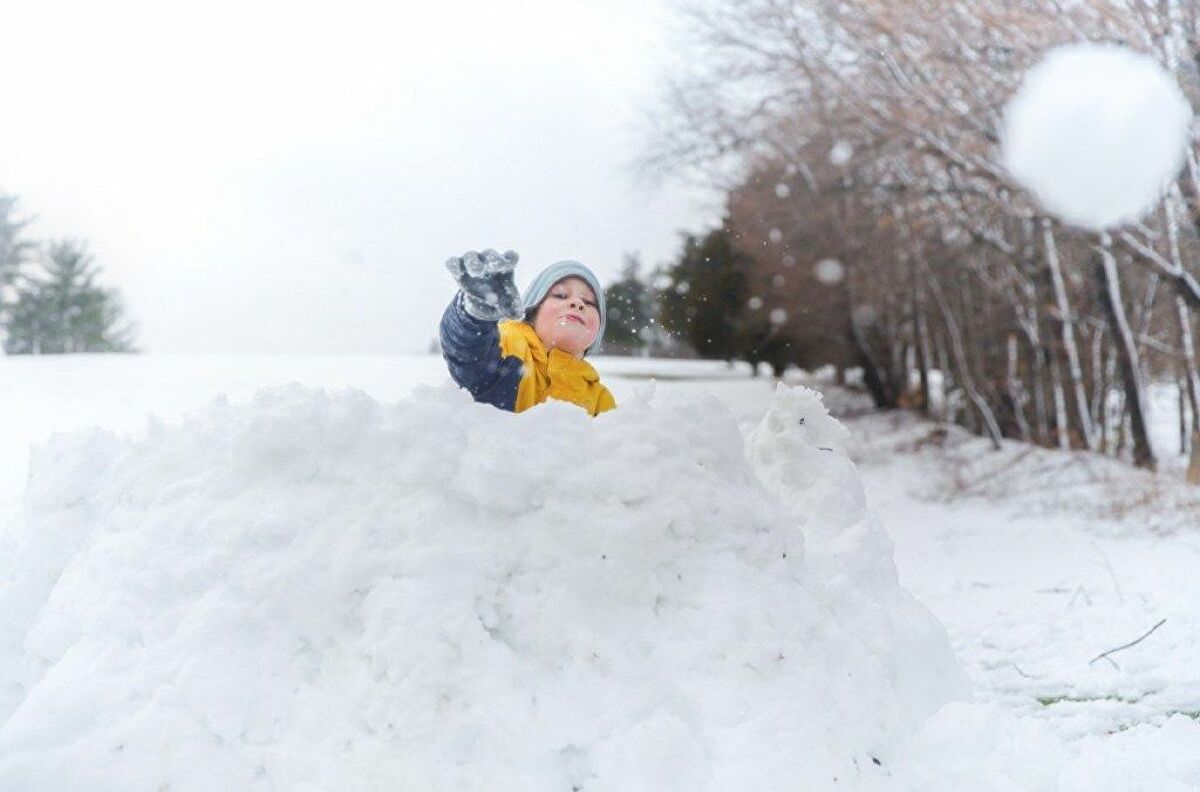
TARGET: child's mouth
(574,318)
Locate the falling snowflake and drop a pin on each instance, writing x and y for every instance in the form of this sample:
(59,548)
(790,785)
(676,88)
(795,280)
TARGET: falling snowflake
(830,271)
(864,315)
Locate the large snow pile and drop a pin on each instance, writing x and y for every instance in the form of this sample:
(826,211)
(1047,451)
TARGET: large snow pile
(315,591)
(1096,132)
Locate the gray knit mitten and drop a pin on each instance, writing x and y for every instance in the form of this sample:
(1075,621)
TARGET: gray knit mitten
(486,280)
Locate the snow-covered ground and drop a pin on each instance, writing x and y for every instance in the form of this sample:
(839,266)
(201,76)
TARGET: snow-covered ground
(1036,562)
(1040,561)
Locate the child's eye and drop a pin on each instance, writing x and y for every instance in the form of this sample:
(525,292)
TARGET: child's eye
(591,303)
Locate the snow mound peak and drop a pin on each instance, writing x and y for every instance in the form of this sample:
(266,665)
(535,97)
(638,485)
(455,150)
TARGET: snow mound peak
(315,591)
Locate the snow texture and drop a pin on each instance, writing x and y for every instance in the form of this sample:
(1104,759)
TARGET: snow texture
(1096,132)
(984,749)
(316,591)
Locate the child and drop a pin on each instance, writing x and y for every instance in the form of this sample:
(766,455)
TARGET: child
(514,354)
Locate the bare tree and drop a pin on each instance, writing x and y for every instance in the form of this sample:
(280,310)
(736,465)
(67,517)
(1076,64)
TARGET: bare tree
(867,132)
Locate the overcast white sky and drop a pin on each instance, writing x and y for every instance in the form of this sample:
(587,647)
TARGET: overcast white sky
(289,177)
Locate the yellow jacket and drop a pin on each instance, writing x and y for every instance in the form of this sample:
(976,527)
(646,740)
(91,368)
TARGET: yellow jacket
(551,375)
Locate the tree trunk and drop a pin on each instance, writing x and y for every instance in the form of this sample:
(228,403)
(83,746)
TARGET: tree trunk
(1182,315)
(1097,380)
(1109,284)
(943,367)
(897,372)
(1105,398)
(1060,406)
(923,353)
(1015,390)
(1039,394)
(1181,402)
(920,336)
(876,386)
(1192,377)
(1074,369)
(962,364)
(1029,326)
(1193,471)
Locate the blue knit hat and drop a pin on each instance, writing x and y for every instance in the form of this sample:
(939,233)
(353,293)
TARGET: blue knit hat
(536,291)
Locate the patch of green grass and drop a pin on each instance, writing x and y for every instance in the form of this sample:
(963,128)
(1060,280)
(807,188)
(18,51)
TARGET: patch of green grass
(1049,701)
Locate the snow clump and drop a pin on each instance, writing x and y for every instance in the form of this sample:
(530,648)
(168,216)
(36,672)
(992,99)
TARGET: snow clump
(316,591)
(1096,132)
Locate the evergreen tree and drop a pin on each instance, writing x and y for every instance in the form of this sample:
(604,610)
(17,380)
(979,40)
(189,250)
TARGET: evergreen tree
(630,311)
(63,310)
(13,249)
(705,297)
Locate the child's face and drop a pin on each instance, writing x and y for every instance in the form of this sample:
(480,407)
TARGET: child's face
(568,317)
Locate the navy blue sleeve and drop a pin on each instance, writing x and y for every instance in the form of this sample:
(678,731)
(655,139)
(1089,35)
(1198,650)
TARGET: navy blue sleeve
(471,348)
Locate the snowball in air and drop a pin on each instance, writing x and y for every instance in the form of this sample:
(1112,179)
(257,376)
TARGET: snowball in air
(778,316)
(1096,132)
(782,190)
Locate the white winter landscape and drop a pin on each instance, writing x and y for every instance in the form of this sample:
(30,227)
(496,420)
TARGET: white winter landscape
(261,572)
(340,573)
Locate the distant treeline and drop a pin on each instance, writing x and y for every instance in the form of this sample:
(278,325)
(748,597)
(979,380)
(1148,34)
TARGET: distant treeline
(49,299)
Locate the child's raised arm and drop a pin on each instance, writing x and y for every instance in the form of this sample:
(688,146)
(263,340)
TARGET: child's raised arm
(469,338)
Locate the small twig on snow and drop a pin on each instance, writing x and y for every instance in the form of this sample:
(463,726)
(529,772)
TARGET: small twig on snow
(1111,573)
(1105,655)
(1022,673)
